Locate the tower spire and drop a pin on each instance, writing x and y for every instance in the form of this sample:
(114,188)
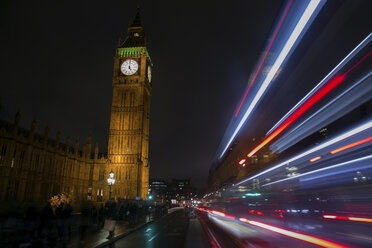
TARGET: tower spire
(136,35)
(137,19)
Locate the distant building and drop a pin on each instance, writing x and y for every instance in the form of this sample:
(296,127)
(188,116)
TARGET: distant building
(158,190)
(228,170)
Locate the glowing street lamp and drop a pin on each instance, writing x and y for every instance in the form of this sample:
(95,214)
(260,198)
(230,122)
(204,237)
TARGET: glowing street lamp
(111,182)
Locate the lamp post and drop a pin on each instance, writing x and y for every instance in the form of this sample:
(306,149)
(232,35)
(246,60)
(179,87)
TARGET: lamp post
(111,182)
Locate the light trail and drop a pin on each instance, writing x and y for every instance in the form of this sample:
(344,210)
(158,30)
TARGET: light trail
(263,60)
(307,14)
(223,215)
(302,109)
(333,83)
(315,159)
(319,170)
(358,48)
(296,235)
(360,142)
(317,148)
(334,217)
(292,136)
(242,161)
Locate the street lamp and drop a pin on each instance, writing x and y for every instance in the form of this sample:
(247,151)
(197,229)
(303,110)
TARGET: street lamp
(110,181)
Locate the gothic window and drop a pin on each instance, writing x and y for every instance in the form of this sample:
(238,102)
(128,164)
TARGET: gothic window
(13,158)
(3,152)
(36,160)
(21,157)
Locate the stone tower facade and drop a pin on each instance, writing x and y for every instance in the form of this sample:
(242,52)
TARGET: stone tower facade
(128,143)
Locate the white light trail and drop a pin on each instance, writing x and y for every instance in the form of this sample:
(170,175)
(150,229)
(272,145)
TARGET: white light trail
(274,69)
(324,80)
(322,169)
(323,116)
(317,148)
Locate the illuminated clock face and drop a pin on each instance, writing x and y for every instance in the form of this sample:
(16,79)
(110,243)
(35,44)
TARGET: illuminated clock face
(129,67)
(149,73)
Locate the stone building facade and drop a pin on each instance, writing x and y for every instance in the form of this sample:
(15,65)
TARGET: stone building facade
(34,167)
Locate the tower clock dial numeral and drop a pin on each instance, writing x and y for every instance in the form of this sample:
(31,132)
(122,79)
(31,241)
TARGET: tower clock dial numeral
(149,73)
(129,67)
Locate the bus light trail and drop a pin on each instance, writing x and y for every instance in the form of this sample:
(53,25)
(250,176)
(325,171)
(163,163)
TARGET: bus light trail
(296,235)
(360,142)
(343,62)
(297,31)
(322,169)
(338,79)
(333,83)
(333,141)
(263,60)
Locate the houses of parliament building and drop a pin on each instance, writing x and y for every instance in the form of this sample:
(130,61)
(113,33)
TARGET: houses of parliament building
(34,167)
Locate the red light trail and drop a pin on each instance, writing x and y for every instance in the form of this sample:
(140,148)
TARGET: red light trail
(360,142)
(332,83)
(334,217)
(296,235)
(263,60)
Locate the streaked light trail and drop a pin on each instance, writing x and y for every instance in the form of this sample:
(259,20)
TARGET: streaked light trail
(263,59)
(223,215)
(242,161)
(333,83)
(307,14)
(320,118)
(296,235)
(302,109)
(358,48)
(322,169)
(315,159)
(334,217)
(360,142)
(317,148)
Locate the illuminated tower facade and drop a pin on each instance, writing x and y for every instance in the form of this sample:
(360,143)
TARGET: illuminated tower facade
(128,143)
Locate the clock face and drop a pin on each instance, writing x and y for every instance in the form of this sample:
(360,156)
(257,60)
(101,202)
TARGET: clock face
(149,73)
(129,67)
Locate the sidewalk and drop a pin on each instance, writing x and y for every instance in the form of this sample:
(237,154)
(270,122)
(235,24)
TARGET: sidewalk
(94,237)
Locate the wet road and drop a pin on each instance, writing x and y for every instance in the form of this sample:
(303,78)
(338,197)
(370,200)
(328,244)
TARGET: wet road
(169,231)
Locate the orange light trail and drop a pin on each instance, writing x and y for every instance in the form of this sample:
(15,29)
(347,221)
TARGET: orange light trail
(315,159)
(333,83)
(360,142)
(296,235)
(334,217)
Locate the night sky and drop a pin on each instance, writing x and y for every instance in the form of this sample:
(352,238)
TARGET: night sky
(57,62)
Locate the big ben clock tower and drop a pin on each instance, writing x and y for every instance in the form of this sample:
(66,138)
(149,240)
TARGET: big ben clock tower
(128,143)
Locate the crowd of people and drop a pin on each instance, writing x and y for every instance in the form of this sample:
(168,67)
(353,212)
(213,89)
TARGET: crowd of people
(55,227)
